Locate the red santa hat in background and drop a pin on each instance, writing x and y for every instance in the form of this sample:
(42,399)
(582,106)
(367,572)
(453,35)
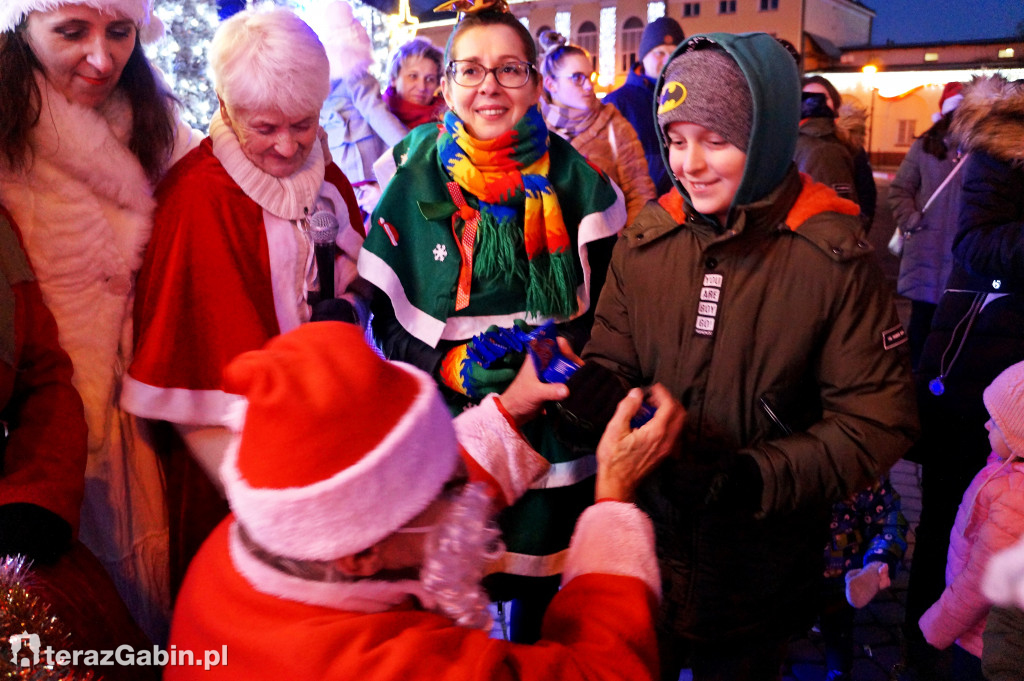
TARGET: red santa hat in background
(151,29)
(950,98)
(339,448)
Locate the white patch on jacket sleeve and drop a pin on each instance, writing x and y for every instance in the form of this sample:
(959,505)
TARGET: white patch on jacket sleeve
(894,337)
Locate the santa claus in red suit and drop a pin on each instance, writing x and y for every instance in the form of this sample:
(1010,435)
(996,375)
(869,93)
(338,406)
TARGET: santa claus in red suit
(361,526)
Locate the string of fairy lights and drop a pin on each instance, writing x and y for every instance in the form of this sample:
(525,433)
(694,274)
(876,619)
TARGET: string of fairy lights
(189,26)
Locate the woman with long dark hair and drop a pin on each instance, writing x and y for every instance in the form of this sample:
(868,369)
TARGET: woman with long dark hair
(86,129)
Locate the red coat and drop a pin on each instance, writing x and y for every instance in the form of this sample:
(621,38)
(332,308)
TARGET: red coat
(204,293)
(600,626)
(44,463)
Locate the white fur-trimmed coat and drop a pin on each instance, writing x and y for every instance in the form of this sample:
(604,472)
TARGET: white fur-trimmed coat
(84,208)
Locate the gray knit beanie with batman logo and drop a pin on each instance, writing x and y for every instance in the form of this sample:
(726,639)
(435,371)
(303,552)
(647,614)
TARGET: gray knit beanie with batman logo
(706,86)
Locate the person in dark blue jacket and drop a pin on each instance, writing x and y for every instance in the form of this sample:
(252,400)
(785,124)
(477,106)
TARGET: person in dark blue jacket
(635,99)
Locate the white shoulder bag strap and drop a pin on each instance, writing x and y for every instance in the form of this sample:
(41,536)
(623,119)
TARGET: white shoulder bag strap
(954,171)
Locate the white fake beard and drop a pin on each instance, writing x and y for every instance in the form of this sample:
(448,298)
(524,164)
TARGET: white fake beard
(458,549)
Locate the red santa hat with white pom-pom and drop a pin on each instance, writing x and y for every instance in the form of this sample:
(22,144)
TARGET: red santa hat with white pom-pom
(338,448)
(151,29)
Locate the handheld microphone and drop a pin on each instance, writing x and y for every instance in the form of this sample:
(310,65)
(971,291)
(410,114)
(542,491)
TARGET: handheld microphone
(323,230)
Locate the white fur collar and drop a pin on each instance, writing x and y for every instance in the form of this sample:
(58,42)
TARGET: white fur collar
(290,198)
(91,146)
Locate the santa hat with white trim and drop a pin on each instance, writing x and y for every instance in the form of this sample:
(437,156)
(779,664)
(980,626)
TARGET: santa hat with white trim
(339,448)
(151,29)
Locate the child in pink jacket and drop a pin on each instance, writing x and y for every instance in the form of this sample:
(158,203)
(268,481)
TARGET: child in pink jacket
(991,518)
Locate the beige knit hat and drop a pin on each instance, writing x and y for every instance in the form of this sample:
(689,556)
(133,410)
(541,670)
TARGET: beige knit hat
(1004,399)
(151,29)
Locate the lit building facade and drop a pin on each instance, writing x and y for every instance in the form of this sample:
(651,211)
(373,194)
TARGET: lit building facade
(903,93)
(830,35)
(611,30)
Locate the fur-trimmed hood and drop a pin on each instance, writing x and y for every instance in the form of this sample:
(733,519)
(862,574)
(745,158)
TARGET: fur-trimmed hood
(991,118)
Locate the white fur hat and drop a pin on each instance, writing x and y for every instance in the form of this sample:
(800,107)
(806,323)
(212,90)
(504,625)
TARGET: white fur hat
(1004,576)
(12,12)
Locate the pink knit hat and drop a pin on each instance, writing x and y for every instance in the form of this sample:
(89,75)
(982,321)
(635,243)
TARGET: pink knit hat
(1004,399)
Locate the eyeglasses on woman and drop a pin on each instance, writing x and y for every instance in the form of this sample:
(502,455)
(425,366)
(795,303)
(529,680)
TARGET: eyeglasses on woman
(511,74)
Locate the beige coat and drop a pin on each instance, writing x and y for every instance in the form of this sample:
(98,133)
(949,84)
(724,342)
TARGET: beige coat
(611,144)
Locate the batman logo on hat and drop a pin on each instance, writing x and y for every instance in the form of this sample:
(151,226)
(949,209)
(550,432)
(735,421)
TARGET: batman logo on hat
(673,95)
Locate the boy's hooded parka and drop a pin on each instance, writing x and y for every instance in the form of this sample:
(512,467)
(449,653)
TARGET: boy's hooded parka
(801,335)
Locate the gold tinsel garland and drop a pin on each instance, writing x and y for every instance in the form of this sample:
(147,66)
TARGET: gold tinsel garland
(23,613)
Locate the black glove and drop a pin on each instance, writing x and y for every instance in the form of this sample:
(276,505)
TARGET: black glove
(34,532)
(718,480)
(594,392)
(334,310)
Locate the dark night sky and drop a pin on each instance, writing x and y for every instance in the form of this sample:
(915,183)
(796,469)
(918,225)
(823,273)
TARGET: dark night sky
(922,21)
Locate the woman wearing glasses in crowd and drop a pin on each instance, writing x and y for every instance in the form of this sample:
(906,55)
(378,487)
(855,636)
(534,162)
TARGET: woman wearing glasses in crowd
(494,223)
(596,130)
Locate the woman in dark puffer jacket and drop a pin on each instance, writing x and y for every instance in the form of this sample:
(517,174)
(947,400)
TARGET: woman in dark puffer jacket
(978,329)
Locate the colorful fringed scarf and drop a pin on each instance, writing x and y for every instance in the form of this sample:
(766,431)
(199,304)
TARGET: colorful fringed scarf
(503,173)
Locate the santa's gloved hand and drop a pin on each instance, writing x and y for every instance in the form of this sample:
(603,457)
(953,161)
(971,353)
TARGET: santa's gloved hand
(864,583)
(460,372)
(34,532)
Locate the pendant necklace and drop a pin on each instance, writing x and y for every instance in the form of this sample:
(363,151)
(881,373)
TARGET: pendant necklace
(937,385)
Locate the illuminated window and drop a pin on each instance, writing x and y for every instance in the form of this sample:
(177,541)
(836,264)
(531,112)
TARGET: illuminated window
(727,7)
(631,32)
(768,5)
(655,10)
(691,9)
(931,56)
(586,37)
(525,21)
(1006,54)
(563,22)
(606,53)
